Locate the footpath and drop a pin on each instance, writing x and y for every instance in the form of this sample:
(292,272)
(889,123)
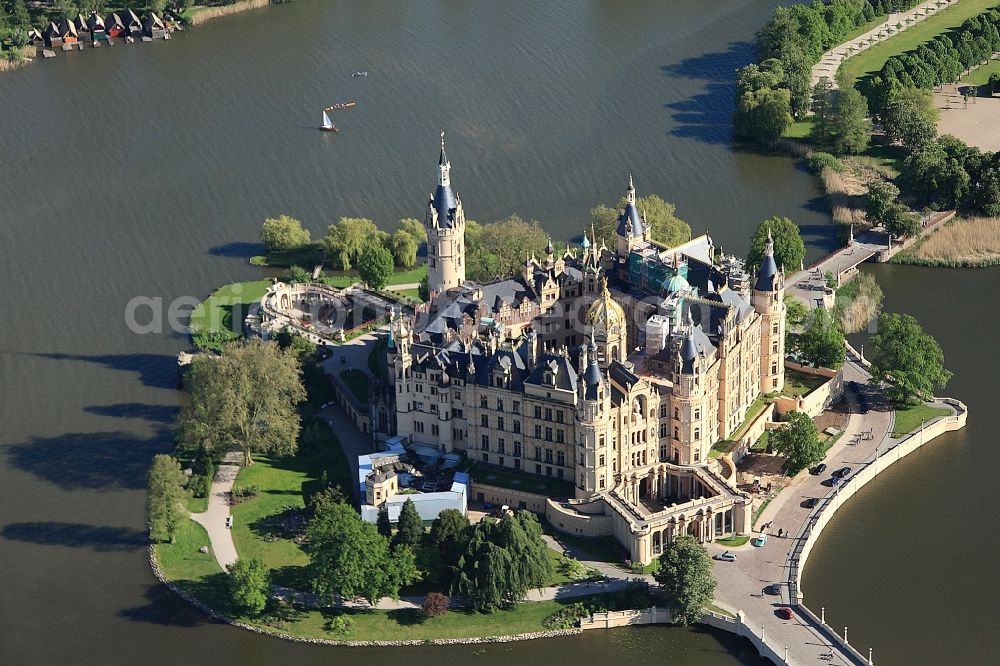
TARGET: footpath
(831,60)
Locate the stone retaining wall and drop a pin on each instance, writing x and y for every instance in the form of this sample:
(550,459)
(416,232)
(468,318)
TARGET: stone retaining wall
(202,606)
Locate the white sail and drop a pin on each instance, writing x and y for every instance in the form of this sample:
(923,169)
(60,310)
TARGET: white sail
(326,120)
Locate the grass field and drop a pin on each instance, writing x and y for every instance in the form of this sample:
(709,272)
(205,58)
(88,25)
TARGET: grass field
(409,276)
(910,418)
(733,542)
(799,383)
(496,476)
(181,561)
(966,242)
(981,76)
(212,320)
(871,61)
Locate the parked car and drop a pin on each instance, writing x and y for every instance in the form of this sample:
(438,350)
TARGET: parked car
(842,472)
(229,522)
(784,613)
(834,480)
(819,469)
(725,557)
(812,502)
(759,541)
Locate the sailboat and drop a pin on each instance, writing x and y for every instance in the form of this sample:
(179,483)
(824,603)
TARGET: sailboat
(328,125)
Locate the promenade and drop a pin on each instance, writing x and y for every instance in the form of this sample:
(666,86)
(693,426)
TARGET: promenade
(831,60)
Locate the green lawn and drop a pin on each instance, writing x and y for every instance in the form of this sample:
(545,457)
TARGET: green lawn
(412,294)
(799,130)
(408,276)
(871,61)
(601,549)
(212,320)
(493,475)
(357,382)
(800,383)
(733,542)
(181,561)
(910,418)
(196,504)
(260,524)
(981,76)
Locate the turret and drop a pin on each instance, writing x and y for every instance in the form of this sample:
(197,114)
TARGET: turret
(593,426)
(632,231)
(769,302)
(445,223)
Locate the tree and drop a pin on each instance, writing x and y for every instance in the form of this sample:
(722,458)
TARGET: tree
(283,233)
(346,239)
(850,125)
(375,266)
(686,576)
(503,560)
(424,289)
(822,108)
(789,250)
(165,509)
(249,585)
(245,399)
(435,604)
(413,227)
(881,197)
(665,227)
(349,558)
(409,527)
(382,523)
(326,497)
(449,535)
(404,248)
(900,222)
(297,274)
(820,343)
(911,117)
(798,441)
(498,249)
(906,359)
(19,16)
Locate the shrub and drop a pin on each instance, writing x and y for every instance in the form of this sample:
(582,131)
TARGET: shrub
(435,604)
(243,493)
(566,618)
(820,161)
(341,624)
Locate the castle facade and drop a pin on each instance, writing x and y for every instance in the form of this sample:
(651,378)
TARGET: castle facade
(613,369)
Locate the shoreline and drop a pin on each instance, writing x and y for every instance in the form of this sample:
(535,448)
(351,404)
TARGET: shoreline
(195,16)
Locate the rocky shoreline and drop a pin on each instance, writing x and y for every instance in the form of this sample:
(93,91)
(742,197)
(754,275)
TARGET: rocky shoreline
(216,615)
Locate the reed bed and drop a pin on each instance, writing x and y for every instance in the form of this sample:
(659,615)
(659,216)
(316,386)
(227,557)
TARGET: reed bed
(973,241)
(858,302)
(201,14)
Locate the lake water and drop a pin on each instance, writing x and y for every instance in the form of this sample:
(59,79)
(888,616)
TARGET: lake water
(147,170)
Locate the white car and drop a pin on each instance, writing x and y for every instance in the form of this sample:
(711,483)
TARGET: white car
(726,557)
(229,522)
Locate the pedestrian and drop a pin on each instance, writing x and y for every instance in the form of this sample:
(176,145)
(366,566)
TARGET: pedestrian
(780,532)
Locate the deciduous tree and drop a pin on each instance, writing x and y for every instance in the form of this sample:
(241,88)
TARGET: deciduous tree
(686,576)
(820,343)
(906,359)
(346,239)
(798,441)
(249,585)
(375,266)
(850,126)
(789,250)
(449,535)
(881,197)
(283,233)
(165,498)
(404,248)
(245,399)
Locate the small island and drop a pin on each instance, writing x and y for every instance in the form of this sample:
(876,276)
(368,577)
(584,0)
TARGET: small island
(538,441)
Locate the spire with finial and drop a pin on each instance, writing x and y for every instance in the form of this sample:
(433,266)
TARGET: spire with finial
(630,192)
(444,166)
(769,246)
(550,248)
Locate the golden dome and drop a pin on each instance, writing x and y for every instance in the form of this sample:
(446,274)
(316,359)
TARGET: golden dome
(605,314)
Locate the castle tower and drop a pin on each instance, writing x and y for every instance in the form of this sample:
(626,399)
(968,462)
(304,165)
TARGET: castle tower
(593,427)
(607,321)
(769,301)
(691,424)
(632,230)
(445,222)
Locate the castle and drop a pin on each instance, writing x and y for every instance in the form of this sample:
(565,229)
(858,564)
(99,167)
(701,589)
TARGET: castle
(613,369)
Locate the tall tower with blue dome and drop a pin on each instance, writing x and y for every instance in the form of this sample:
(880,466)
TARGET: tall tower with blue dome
(445,223)
(632,231)
(769,302)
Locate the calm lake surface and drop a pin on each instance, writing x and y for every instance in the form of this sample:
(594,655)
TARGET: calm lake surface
(147,170)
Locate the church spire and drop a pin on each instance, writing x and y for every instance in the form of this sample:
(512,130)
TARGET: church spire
(630,192)
(444,166)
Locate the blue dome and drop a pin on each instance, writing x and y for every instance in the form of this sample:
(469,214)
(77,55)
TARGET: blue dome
(676,283)
(765,278)
(689,355)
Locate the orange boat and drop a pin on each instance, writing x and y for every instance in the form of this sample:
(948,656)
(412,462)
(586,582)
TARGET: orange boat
(341,106)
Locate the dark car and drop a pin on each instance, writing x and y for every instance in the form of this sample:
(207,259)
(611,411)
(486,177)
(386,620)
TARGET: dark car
(784,613)
(842,472)
(819,469)
(812,502)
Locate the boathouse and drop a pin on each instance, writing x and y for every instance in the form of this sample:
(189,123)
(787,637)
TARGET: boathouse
(69,34)
(95,25)
(82,28)
(114,26)
(154,27)
(53,36)
(36,40)
(133,25)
